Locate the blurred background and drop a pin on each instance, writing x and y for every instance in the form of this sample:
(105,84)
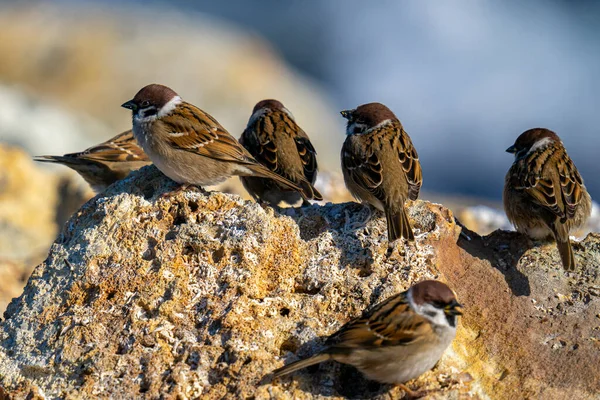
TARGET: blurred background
(465,78)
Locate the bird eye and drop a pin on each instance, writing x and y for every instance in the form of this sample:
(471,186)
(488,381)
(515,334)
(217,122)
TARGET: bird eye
(438,304)
(145,103)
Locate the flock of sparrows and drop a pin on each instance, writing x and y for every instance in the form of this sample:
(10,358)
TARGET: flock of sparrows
(404,336)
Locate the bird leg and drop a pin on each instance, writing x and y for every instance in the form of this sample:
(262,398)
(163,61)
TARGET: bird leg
(183,188)
(462,230)
(354,226)
(412,394)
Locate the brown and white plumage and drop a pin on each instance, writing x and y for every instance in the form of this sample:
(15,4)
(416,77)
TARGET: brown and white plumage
(189,145)
(105,163)
(276,141)
(381,165)
(398,339)
(544,193)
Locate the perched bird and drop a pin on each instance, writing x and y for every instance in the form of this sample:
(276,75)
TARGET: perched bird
(106,163)
(276,141)
(187,144)
(381,166)
(544,194)
(396,341)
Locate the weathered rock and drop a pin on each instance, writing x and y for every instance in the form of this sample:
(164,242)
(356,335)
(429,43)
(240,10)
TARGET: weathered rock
(204,295)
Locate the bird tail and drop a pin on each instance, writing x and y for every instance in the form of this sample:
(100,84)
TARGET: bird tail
(58,160)
(398,226)
(295,366)
(305,190)
(561,234)
(309,188)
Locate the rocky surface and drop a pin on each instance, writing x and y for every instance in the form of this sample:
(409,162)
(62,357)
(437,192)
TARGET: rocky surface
(204,294)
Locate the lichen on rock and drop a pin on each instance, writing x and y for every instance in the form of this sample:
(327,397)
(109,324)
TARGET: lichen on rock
(193,294)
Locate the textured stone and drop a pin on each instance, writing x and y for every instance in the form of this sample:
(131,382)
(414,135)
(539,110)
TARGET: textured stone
(197,294)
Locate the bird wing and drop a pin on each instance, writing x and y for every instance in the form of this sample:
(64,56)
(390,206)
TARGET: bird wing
(260,139)
(198,132)
(391,323)
(122,147)
(364,165)
(551,179)
(307,154)
(407,154)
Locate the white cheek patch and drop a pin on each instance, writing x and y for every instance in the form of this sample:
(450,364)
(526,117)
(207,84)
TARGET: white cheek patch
(254,117)
(285,110)
(170,106)
(540,144)
(428,311)
(381,124)
(138,118)
(355,128)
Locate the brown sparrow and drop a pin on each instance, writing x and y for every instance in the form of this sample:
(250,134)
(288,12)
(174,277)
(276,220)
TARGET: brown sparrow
(277,142)
(187,144)
(381,166)
(543,192)
(396,341)
(106,163)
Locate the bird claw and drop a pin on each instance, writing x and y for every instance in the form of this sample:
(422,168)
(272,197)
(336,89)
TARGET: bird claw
(410,394)
(183,188)
(462,230)
(358,225)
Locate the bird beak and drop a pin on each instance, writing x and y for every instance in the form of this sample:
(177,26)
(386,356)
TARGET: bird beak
(346,113)
(512,149)
(130,105)
(453,309)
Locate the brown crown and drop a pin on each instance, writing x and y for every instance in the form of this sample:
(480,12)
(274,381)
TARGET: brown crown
(155,94)
(268,103)
(528,138)
(432,292)
(372,114)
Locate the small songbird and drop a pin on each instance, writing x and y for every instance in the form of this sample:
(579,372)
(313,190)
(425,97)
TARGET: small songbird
(106,163)
(396,341)
(381,166)
(544,194)
(276,141)
(187,144)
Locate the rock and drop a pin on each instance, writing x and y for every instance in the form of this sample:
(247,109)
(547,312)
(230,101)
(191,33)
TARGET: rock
(204,294)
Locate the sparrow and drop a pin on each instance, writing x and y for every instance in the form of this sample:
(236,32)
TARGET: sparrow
(398,339)
(276,141)
(106,163)
(544,194)
(187,144)
(381,166)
